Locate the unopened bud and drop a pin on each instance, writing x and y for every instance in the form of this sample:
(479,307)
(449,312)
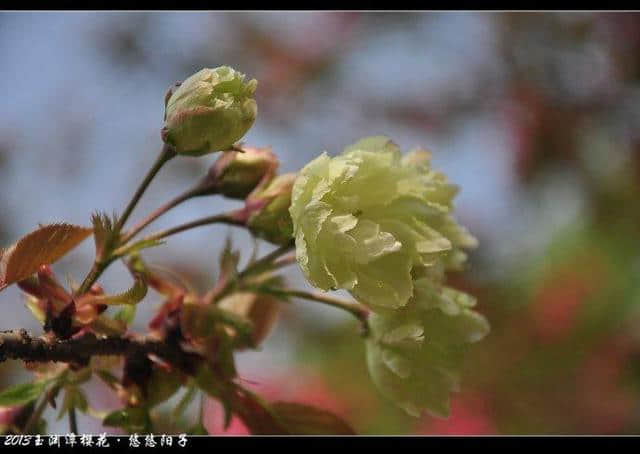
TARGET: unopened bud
(268,209)
(237,173)
(209,111)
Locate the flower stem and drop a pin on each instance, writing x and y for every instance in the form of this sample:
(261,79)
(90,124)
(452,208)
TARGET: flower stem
(201,189)
(359,311)
(73,422)
(96,270)
(101,263)
(167,153)
(263,262)
(284,261)
(225,218)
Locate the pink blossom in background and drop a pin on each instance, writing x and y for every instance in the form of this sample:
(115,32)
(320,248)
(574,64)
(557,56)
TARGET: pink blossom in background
(293,387)
(7,414)
(469,416)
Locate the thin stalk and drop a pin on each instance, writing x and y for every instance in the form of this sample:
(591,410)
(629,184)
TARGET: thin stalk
(263,262)
(166,154)
(360,312)
(197,191)
(283,261)
(73,422)
(101,263)
(96,271)
(225,218)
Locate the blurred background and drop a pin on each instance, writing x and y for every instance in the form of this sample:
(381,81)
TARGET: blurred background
(535,115)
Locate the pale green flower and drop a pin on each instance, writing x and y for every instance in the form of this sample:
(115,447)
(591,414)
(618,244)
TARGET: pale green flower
(209,111)
(414,355)
(365,219)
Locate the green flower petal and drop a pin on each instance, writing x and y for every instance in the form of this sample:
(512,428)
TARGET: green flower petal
(368,217)
(415,354)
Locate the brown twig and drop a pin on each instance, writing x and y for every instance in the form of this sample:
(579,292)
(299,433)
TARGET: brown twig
(18,344)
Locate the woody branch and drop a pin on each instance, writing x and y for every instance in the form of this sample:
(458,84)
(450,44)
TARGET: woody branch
(18,344)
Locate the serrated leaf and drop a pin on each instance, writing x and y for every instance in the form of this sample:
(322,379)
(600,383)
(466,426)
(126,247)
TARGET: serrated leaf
(132,296)
(43,246)
(22,393)
(302,419)
(102,232)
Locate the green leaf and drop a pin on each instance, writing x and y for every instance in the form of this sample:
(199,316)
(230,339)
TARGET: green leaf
(187,398)
(126,314)
(43,246)
(36,311)
(137,266)
(132,296)
(74,398)
(107,326)
(207,381)
(23,393)
(306,420)
(103,232)
(134,419)
(137,247)
(162,385)
(228,262)
(108,378)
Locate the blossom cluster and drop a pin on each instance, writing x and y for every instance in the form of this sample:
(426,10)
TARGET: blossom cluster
(379,225)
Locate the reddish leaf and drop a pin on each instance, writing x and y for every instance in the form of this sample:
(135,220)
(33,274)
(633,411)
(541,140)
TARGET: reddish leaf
(306,420)
(41,247)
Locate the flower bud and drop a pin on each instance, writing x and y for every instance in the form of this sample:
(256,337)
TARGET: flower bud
(268,210)
(237,173)
(209,111)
